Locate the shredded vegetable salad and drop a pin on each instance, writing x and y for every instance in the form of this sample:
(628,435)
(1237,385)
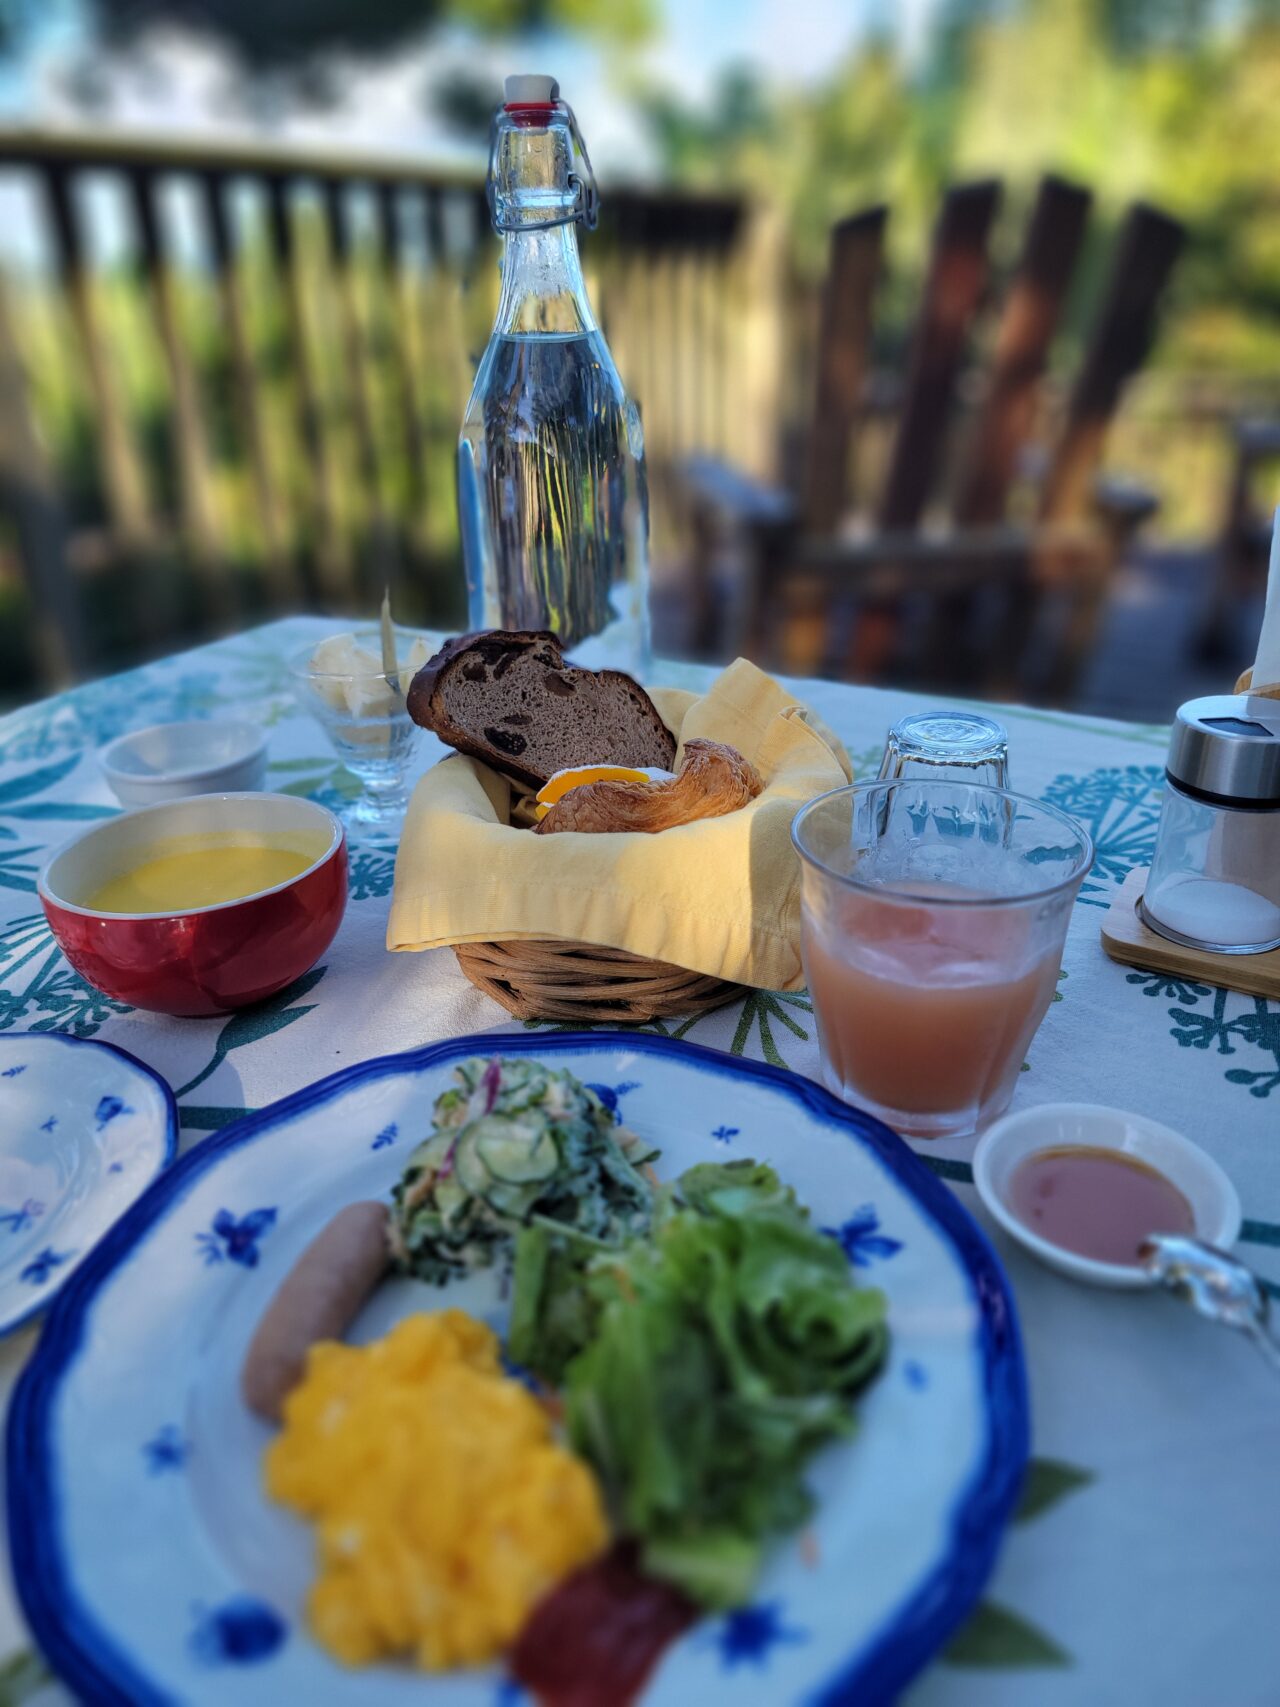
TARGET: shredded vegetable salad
(515,1144)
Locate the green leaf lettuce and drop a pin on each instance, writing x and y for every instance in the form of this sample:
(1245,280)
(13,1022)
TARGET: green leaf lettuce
(702,1366)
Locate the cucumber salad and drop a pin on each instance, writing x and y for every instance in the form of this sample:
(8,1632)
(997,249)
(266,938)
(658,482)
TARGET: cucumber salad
(514,1145)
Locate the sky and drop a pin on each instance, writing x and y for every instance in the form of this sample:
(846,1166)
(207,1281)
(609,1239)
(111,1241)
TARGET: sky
(182,84)
(185,85)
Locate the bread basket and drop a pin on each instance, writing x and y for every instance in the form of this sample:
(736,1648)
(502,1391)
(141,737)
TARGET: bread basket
(660,905)
(581,983)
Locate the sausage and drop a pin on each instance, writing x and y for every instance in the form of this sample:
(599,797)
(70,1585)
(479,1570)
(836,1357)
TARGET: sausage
(318,1299)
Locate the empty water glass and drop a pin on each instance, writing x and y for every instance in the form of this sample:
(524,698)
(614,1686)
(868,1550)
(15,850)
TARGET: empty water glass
(961,745)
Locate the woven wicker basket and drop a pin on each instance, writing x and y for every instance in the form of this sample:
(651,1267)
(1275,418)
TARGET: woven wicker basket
(587,985)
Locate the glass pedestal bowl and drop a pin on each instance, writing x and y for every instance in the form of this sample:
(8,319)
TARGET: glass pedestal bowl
(362,711)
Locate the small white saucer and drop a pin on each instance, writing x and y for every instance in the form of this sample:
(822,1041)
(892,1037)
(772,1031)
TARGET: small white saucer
(169,761)
(1214,1203)
(84,1129)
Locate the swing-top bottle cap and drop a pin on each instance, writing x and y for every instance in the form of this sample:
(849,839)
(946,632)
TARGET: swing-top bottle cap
(530,91)
(539,174)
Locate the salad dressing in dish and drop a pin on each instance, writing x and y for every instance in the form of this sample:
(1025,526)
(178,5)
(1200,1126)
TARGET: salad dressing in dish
(1097,1202)
(185,872)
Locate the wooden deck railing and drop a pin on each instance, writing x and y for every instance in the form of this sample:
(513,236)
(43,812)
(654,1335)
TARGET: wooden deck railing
(257,406)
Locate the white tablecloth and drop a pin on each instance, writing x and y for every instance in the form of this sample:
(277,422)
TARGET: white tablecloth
(1146,1566)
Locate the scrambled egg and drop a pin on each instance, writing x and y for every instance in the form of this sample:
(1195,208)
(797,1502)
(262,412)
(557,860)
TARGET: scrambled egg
(443,1507)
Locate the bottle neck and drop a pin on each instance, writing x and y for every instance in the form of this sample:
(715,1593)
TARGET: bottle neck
(542,285)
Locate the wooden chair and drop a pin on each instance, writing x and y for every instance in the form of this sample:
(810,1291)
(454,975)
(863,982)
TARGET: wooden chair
(832,591)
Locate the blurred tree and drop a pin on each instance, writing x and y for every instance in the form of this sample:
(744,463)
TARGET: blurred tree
(1187,118)
(1174,100)
(818,153)
(698,143)
(465,103)
(272,35)
(1137,26)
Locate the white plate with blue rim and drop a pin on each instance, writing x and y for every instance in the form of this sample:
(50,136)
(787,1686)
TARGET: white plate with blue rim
(84,1129)
(152,1568)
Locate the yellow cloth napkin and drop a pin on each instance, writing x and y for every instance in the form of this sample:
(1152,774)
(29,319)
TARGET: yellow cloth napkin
(721,896)
(1245,685)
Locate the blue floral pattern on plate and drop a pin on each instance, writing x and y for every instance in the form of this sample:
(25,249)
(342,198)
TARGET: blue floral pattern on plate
(861,1240)
(233,1239)
(611,1095)
(748,1635)
(110,1108)
(166,1450)
(242,1631)
(24,1216)
(42,1265)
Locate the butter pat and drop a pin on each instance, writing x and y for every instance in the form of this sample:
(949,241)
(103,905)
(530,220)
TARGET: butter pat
(418,655)
(350,677)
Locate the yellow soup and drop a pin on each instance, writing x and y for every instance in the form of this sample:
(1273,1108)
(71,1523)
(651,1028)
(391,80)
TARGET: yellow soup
(186,872)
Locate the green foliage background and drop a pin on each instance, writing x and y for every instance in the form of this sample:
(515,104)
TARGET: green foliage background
(1177,102)
(1173,101)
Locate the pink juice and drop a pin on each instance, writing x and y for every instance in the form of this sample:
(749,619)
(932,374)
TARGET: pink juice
(926,1011)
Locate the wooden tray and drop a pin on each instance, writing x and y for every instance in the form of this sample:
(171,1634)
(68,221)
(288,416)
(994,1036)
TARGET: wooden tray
(1127,939)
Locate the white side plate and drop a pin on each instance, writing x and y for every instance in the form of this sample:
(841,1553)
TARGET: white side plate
(84,1129)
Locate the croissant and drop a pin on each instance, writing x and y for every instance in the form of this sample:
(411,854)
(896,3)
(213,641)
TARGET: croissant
(713,779)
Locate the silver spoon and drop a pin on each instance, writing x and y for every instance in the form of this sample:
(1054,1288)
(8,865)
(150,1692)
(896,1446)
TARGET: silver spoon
(1214,1284)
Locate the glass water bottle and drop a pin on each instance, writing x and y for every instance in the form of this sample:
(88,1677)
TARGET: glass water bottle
(551,482)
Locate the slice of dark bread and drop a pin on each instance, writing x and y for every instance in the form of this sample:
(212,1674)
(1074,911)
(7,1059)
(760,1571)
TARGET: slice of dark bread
(510,700)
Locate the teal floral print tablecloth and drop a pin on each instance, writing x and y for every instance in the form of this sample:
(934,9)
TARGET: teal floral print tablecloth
(1142,1566)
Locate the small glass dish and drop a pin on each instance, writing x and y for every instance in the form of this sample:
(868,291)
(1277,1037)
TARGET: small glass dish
(363,712)
(947,744)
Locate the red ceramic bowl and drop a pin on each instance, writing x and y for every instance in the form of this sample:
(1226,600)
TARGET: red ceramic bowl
(212,958)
